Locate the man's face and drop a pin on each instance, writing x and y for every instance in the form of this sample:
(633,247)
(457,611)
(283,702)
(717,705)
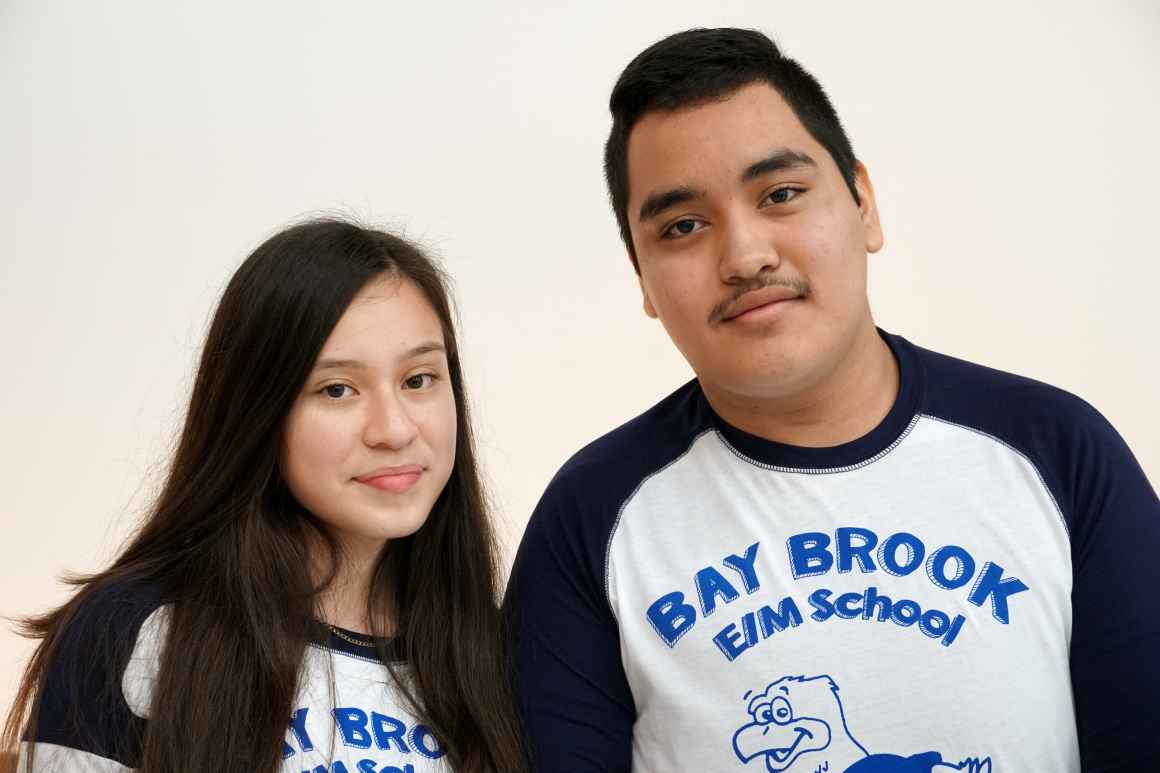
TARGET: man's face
(752,251)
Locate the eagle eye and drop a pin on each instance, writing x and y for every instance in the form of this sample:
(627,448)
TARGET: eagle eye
(780,711)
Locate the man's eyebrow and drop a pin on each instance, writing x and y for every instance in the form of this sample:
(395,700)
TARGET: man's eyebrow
(782,158)
(334,363)
(656,203)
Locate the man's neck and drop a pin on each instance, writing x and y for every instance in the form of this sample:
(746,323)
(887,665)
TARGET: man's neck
(843,406)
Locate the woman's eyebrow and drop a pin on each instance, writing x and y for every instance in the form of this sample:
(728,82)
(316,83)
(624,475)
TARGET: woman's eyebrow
(426,348)
(333,363)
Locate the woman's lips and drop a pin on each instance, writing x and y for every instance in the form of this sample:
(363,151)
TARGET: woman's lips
(394,479)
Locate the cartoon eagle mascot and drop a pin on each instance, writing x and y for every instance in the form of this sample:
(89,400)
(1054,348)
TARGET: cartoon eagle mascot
(799,719)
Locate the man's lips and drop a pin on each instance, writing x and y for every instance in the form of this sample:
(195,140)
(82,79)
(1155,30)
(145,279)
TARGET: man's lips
(396,479)
(759,299)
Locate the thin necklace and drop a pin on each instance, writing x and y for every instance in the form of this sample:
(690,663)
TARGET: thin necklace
(351,639)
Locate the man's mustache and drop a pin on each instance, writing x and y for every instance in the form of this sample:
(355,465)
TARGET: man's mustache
(721,310)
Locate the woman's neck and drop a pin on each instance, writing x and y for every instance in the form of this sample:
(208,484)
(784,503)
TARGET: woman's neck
(345,602)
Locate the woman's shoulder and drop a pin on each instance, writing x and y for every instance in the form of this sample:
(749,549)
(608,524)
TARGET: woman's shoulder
(88,704)
(118,600)
(105,620)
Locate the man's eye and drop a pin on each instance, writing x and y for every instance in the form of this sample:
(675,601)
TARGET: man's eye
(782,195)
(420,381)
(683,227)
(763,714)
(337,391)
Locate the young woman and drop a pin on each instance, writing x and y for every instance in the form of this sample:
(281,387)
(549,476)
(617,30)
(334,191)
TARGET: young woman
(315,588)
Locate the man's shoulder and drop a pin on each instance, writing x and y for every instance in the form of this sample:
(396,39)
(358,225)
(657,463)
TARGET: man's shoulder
(589,490)
(631,452)
(1075,450)
(570,529)
(1001,403)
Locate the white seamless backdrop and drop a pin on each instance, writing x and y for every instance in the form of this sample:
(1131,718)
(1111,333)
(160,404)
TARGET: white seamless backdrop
(147,147)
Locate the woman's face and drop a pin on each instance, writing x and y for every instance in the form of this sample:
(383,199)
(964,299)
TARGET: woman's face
(370,441)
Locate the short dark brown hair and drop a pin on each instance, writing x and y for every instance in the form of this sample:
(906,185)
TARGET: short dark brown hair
(700,65)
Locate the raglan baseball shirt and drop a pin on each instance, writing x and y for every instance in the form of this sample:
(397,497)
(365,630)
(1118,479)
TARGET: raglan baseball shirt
(974,585)
(348,716)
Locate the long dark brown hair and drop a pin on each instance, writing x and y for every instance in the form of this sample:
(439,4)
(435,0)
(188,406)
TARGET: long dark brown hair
(225,542)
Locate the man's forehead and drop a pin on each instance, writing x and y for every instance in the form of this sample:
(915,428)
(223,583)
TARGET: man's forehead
(670,148)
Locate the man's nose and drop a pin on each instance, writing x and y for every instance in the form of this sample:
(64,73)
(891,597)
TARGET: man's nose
(747,248)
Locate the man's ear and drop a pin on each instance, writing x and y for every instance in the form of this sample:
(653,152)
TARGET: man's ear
(868,208)
(649,309)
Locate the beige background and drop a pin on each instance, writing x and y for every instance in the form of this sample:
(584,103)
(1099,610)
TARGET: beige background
(146,147)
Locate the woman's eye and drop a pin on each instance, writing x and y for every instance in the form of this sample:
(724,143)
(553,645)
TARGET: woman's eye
(683,228)
(782,195)
(419,381)
(337,391)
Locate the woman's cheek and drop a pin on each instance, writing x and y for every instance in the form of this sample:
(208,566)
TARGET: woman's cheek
(320,439)
(443,427)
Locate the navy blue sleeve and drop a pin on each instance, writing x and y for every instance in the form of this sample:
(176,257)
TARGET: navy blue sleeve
(1115,645)
(1113,520)
(570,683)
(573,695)
(81,702)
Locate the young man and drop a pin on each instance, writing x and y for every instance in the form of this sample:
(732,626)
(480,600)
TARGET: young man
(832,550)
